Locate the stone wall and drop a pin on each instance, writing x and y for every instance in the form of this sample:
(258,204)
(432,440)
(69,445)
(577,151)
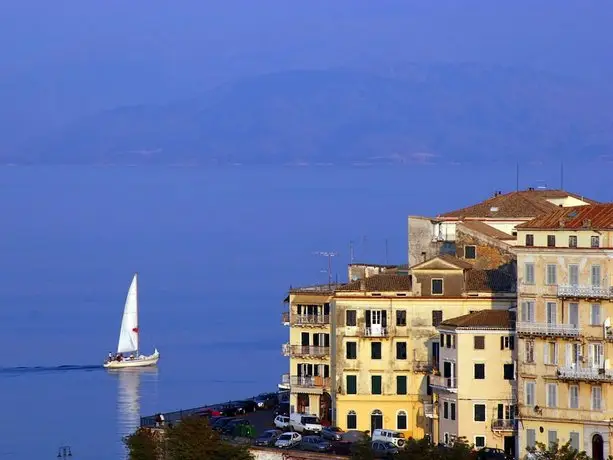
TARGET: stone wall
(262,453)
(491,253)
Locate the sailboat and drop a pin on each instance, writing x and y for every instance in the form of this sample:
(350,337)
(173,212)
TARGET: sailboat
(128,335)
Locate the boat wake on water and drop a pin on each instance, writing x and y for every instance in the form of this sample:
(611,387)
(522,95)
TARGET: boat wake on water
(22,370)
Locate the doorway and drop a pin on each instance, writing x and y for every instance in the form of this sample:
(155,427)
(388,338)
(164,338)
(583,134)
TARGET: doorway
(376,420)
(597,447)
(509,446)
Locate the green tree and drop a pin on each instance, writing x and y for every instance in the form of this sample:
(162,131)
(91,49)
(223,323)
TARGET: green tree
(423,450)
(557,452)
(191,439)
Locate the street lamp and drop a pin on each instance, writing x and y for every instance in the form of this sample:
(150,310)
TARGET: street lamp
(64,452)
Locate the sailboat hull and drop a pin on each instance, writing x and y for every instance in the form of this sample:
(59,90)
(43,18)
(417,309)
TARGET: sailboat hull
(141,361)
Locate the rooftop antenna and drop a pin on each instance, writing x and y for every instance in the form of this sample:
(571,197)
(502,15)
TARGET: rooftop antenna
(329,255)
(351,254)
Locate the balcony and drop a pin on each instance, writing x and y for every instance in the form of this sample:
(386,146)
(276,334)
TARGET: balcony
(585,292)
(429,410)
(315,383)
(547,329)
(285,349)
(285,381)
(285,318)
(438,382)
(501,424)
(375,331)
(587,374)
(422,367)
(309,350)
(581,415)
(311,320)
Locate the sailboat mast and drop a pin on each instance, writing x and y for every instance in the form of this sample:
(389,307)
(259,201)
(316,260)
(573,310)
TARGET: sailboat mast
(137,329)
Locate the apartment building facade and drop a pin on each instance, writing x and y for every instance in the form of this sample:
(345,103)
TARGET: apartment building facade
(385,343)
(565,388)
(474,385)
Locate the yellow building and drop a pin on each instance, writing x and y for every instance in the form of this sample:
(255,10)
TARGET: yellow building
(384,339)
(308,349)
(564,329)
(475,385)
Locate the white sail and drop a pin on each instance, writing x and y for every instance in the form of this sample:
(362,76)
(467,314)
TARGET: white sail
(128,335)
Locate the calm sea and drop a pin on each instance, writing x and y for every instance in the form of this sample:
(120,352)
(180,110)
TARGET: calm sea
(216,251)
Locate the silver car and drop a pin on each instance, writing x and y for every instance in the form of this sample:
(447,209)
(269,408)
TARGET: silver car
(289,439)
(315,444)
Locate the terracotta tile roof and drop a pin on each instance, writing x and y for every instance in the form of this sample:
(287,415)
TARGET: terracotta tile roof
(597,217)
(525,203)
(488,230)
(380,283)
(484,319)
(489,281)
(447,258)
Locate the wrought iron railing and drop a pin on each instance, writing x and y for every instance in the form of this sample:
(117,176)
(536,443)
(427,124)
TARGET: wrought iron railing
(590,374)
(563,330)
(583,291)
(310,381)
(439,381)
(305,320)
(309,350)
(503,424)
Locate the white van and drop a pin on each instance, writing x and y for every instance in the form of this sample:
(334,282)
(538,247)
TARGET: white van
(304,422)
(395,437)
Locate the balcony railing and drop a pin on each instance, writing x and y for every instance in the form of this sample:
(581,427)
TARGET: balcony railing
(589,374)
(445,383)
(285,318)
(568,415)
(547,329)
(429,410)
(583,291)
(309,350)
(375,331)
(422,366)
(311,320)
(310,381)
(501,424)
(285,349)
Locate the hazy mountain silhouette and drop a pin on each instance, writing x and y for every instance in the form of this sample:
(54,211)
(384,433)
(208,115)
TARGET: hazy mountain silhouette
(404,114)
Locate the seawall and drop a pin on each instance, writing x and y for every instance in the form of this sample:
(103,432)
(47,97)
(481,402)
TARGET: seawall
(263,453)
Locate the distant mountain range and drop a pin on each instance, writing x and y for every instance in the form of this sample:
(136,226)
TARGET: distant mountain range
(444,113)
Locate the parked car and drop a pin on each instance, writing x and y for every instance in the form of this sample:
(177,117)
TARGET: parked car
(232,427)
(332,433)
(268,438)
(221,422)
(490,453)
(289,439)
(281,422)
(302,423)
(395,437)
(282,409)
(315,444)
(247,405)
(384,449)
(208,412)
(266,400)
(232,410)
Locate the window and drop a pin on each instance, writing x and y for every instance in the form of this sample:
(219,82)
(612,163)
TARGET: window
(479,442)
(401,384)
(572,241)
(595,241)
(479,413)
(573,274)
(352,420)
(401,350)
(437,286)
(479,342)
(596,398)
(375,384)
(479,371)
(573,396)
(507,343)
(552,395)
(530,393)
(529,273)
(470,252)
(529,240)
(527,311)
(452,411)
(574,440)
(551,353)
(401,317)
(551,275)
(350,318)
(595,315)
(352,350)
(551,241)
(529,349)
(595,355)
(375,350)
(352,384)
(552,437)
(573,314)
(552,310)
(596,277)
(401,420)
(437,317)
(448,340)
(530,437)
(445,410)
(509,371)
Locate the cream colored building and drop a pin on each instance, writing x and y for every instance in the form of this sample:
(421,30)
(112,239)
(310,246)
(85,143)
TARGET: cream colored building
(384,340)
(475,385)
(564,330)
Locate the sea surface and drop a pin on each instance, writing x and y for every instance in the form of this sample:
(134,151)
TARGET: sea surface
(216,251)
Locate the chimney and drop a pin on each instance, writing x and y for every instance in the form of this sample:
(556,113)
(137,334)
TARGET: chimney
(561,222)
(362,284)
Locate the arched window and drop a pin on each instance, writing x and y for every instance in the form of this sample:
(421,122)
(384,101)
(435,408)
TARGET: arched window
(401,420)
(376,420)
(352,420)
